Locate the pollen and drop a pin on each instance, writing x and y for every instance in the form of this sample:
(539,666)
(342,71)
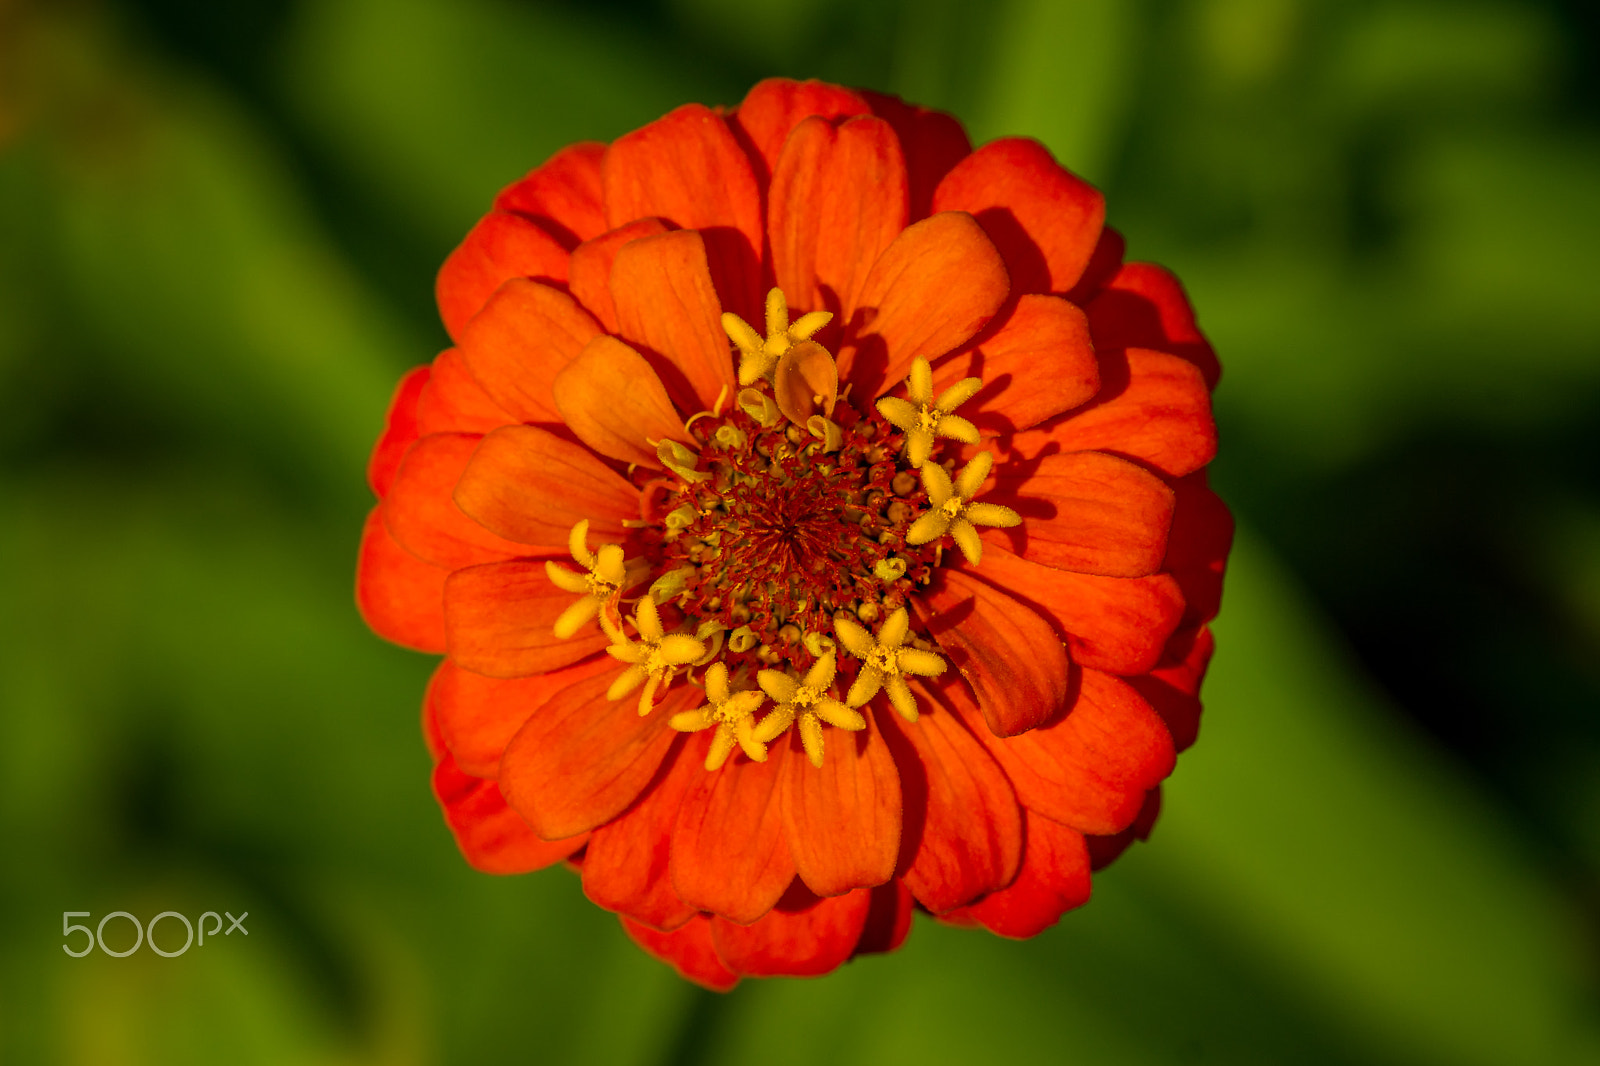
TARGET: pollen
(951,508)
(885,661)
(758,357)
(806,702)
(653,659)
(733,714)
(607,575)
(923,419)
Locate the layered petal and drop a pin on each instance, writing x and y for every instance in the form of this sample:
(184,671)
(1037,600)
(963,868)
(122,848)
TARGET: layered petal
(729,853)
(775,106)
(1012,658)
(687,949)
(423,517)
(500,621)
(1173,687)
(1144,306)
(888,919)
(478,715)
(531,487)
(842,820)
(803,936)
(932,141)
(581,759)
(500,247)
(963,833)
(520,341)
(399,596)
(1104,850)
(454,402)
(1045,220)
(615,404)
(1038,364)
(1053,880)
(491,835)
(1197,550)
(399,431)
(563,195)
(589,276)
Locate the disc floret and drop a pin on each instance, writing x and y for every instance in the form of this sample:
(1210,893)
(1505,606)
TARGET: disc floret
(733,714)
(806,702)
(606,576)
(922,418)
(653,659)
(951,508)
(757,356)
(885,660)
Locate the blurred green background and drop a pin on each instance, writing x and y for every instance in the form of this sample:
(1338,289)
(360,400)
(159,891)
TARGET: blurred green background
(219,225)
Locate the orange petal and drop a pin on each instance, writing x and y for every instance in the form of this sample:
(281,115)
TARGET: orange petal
(1173,687)
(805,379)
(929,292)
(454,402)
(478,715)
(1054,879)
(400,597)
(533,487)
(688,169)
(1104,264)
(1105,849)
(399,431)
(616,405)
(888,919)
(1037,365)
(500,247)
(499,621)
(1012,658)
(687,949)
(1090,767)
(1116,624)
(843,820)
(802,936)
(668,310)
(589,276)
(838,200)
(581,759)
(490,834)
(425,520)
(520,342)
(775,106)
(932,141)
(729,855)
(963,834)
(1197,550)
(626,866)
(563,195)
(1045,220)
(1084,511)
(1144,306)
(1153,408)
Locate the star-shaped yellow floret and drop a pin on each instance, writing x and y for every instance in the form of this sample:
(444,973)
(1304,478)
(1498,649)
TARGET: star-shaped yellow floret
(652,659)
(922,418)
(885,661)
(758,357)
(951,510)
(808,703)
(608,575)
(733,715)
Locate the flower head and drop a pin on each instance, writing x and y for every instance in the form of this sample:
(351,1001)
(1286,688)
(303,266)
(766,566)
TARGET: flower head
(775,511)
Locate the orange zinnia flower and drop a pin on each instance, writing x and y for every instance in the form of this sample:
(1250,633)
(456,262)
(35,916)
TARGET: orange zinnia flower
(812,515)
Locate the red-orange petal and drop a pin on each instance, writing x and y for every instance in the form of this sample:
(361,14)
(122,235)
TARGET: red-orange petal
(1085,511)
(1035,366)
(928,294)
(933,143)
(729,855)
(838,200)
(1197,550)
(1144,306)
(589,276)
(1104,850)
(888,919)
(563,195)
(1045,220)
(1054,879)
(626,866)
(491,835)
(842,820)
(668,309)
(518,344)
(775,106)
(802,936)
(399,596)
(1012,658)
(399,431)
(532,487)
(500,247)
(615,404)
(1153,408)
(425,520)
(1116,624)
(454,402)
(478,715)
(1090,767)
(1104,264)
(1173,687)
(581,759)
(687,949)
(963,834)
(689,169)
(500,621)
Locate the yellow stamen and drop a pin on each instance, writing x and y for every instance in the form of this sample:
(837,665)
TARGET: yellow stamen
(733,713)
(653,659)
(757,356)
(922,418)
(608,575)
(885,662)
(806,702)
(951,510)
